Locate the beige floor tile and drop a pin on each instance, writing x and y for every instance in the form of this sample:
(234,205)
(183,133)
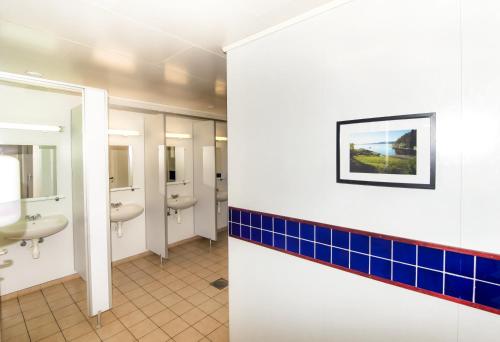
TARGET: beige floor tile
(171,300)
(188,335)
(123,309)
(222,298)
(71,320)
(136,293)
(12,320)
(123,336)
(10,308)
(59,337)
(143,328)
(174,327)
(210,291)
(153,308)
(207,325)
(66,311)
(110,330)
(156,335)
(14,331)
(60,303)
(198,298)
(163,317)
(90,337)
(181,307)
(161,292)
(143,300)
(77,330)
(193,316)
(221,334)
(222,314)
(133,318)
(176,285)
(42,331)
(187,291)
(152,286)
(209,306)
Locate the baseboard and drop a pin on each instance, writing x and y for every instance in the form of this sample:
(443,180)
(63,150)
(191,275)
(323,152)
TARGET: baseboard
(39,287)
(193,238)
(131,258)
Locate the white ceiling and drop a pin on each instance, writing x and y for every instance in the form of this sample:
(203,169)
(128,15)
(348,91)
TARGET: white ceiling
(162,51)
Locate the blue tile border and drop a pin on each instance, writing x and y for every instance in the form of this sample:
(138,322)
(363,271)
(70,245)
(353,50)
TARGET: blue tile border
(464,276)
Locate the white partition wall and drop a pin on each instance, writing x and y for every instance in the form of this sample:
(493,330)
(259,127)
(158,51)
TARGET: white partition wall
(204,179)
(154,176)
(96,189)
(79,231)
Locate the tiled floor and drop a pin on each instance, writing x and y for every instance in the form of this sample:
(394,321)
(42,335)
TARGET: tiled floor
(173,302)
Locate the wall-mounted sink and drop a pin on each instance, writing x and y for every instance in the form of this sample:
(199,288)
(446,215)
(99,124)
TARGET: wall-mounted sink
(120,213)
(178,203)
(35,228)
(220,196)
(181,202)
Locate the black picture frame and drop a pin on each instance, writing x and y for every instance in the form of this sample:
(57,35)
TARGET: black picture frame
(432,179)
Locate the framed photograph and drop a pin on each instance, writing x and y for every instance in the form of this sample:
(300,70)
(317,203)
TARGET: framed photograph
(396,151)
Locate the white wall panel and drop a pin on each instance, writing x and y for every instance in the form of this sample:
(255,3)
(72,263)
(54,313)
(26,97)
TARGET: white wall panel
(287,91)
(95,140)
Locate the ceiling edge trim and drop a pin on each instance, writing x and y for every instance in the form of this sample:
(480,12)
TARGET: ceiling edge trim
(292,21)
(136,105)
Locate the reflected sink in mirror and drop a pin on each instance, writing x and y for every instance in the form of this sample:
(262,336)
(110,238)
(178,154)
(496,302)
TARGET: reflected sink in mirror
(178,203)
(35,228)
(221,196)
(120,213)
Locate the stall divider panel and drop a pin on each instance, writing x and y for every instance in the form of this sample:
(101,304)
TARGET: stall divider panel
(204,179)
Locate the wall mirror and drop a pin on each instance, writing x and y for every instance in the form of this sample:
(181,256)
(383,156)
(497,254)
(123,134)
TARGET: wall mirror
(175,164)
(37,167)
(121,173)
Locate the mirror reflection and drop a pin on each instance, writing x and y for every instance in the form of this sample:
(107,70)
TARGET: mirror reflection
(120,167)
(38,173)
(175,164)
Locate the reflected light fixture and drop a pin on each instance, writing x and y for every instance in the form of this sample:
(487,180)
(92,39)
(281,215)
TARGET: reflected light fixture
(30,127)
(220,138)
(178,135)
(123,132)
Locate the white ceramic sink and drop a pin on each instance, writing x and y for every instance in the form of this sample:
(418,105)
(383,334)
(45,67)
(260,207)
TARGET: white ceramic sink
(120,213)
(35,230)
(181,202)
(221,196)
(125,212)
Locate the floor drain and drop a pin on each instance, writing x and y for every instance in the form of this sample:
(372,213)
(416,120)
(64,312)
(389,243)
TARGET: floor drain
(219,283)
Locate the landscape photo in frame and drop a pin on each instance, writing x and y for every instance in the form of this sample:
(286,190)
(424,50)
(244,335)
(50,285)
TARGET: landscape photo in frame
(396,151)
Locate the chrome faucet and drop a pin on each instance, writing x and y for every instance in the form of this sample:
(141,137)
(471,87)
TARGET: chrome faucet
(116,205)
(32,217)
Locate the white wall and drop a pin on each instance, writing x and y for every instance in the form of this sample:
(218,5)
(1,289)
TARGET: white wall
(184,230)
(133,240)
(29,105)
(286,93)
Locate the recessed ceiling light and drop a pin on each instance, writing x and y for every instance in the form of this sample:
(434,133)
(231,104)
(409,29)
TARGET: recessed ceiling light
(34,73)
